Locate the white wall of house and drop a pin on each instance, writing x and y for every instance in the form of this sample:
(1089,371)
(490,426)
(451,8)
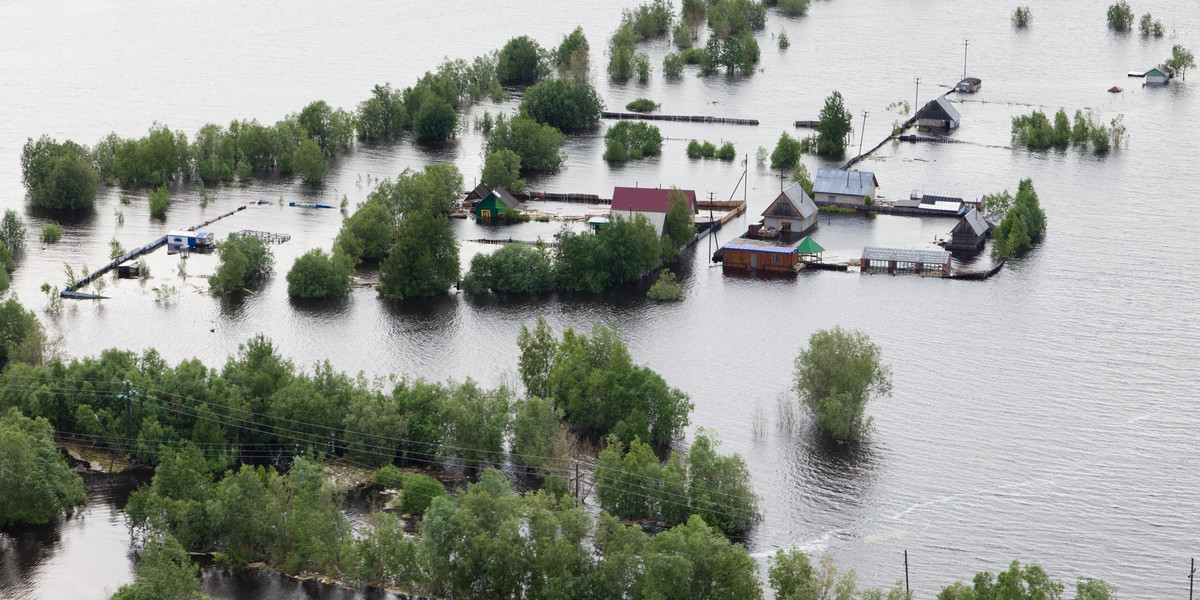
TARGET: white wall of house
(798,225)
(657,219)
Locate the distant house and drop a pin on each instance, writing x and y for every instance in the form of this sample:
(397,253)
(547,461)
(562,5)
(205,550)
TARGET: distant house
(1158,76)
(651,202)
(969,85)
(496,205)
(834,187)
(791,212)
(196,241)
(970,233)
(474,196)
(938,113)
(749,255)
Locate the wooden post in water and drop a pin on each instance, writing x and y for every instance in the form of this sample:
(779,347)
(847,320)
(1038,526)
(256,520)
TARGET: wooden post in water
(1191,578)
(906,573)
(862,134)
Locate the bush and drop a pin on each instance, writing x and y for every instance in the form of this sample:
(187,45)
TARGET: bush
(521,62)
(628,139)
(726,152)
(36,482)
(389,476)
(317,275)
(787,152)
(682,36)
(308,161)
(160,201)
(794,8)
(693,149)
(672,65)
(571,57)
(58,176)
(12,230)
(836,376)
(641,105)
(242,258)
(641,66)
(1120,16)
(563,104)
(513,269)
(1021,17)
(679,228)
(51,233)
(535,143)
(418,493)
(784,41)
(435,122)
(366,234)
(666,288)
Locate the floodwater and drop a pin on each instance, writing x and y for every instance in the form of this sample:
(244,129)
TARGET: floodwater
(1044,415)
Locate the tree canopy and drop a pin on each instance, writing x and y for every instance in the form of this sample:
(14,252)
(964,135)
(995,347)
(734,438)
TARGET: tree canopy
(318,275)
(537,144)
(1023,224)
(563,104)
(35,481)
(243,258)
(502,168)
(833,126)
(424,259)
(521,61)
(839,372)
(58,176)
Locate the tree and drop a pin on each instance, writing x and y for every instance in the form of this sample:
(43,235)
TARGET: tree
(521,61)
(160,201)
(1120,16)
(308,161)
(435,122)
(367,234)
(58,176)
(1023,223)
(793,577)
(538,441)
(787,152)
(1021,17)
(694,561)
(571,56)
(433,189)
(519,269)
(502,168)
(35,481)
(1017,583)
(679,228)
(535,143)
(836,376)
(332,129)
(164,572)
(424,259)
(383,113)
(833,126)
(418,492)
(666,288)
(563,104)
(801,176)
(242,258)
(1181,60)
(317,275)
(21,335)
(476,421)
(719,488)
(12,230)
(627,140)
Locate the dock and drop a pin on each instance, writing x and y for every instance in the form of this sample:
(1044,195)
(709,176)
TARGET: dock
(561,197)
(628,116)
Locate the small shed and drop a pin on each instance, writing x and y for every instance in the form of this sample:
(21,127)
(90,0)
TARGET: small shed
(969,85)
(496,205)
(748,255)
(597,223)
(938,113)
(1158,76)
(649,202)
(793,211)
(191,240)
(835,187)
(970,233)
(474,196)
(904,260)
(809,250)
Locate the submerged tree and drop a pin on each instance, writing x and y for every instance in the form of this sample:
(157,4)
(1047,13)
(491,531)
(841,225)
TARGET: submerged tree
(833,127)
(836,376)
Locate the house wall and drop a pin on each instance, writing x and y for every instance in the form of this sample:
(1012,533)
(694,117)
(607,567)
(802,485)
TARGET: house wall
(939,123)
(497,208)
(798,225)
(1155,79)
(657,219)
(822,198)
(739,260)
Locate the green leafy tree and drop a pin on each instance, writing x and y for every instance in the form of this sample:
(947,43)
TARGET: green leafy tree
(367,234)
(794,8)
(801,175)
(383,113)
(332,129)
(628,139)
(476,421)
(58,176)
(833,126)
(787,152)
(502,168)
(214,154)
(1120,16)
(1023,224)
(793,577)
(666,288)
(435,122)
(694,561)
(418,492)
(520,268)
(1181,60)
(535,143)
(22,338)
(433,189)
(571,56)
(318,275)
(538,441)
(1021,17)
(563,104)
(424,259)
(1018,583)
(522,62)
(673,65)
(160,201)
(836,376)
(35,481)
(242,258)
(12,230)
(719,488)
(539,349)
(308,160)
(679,226)
(164,572)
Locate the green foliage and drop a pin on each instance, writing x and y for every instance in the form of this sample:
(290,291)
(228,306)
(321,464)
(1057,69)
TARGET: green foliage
(51,233)
(1120,16)
(641,66)
(633,485)
(58,176)
(435,122)
(22,338)
(793,577)
(383,113)
(679,228)
(163,572)
(1021,17)
(389,476)
(1017,583)
(35,481)
(735,17)
(1094,589)
(476,421)
(784,41)
(793,8)
(621,252)
(1023,224)
(513,269)
(502,168)
(308,161)
(996,205)
(681,36)
(571,56)
(1034,130)
(12,230)
(672,65)
(695,561)
(538,441)
(521,62)
(318,275)
(801,175)
(434,189)
(418,492)
(628,139)
(642,105)
(726,152)
(243,258)
(160,201)
(787,152)
(666,288)
(833,126)
(115,249)
(332,129)
(367,234)
(536,143)
(594,382)
(424,259)
(836,376)
(1181,60)
(563,104)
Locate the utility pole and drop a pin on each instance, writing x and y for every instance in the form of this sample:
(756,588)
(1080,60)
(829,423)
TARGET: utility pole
(780,179)
(906,591)
(917,97)
(712,226)
(862,133)
(1191,578)
(966,43)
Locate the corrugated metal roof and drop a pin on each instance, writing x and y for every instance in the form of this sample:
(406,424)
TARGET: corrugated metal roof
(846,183)
(760,246)
(647,199)
(507,198)
(976,222)
(934,257)
(940,109)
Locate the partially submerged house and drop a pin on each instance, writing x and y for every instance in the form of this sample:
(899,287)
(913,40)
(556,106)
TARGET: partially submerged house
(474,196)
(970,233)
(968,85)
(793,211)
(749,255)
(1159,75)
(497,205)
(904,260)
(650,202)
(938,113)
(192,241)
(834,187)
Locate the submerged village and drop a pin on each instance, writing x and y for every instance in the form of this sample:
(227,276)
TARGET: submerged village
(598,315)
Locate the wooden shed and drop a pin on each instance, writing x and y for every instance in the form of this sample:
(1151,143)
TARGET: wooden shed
(968,85)
(1157,76)
(498,203)
(793,211)
(939,114)
(970,233)
(748,255)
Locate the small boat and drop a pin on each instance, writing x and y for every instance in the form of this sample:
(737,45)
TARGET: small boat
(1115,89)
(262,201)
(309,205)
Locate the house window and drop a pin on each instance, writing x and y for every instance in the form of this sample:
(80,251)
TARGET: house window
(775,258)
(785,226)
(831,198)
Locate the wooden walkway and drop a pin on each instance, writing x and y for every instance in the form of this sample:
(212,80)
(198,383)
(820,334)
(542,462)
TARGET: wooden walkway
(685,118)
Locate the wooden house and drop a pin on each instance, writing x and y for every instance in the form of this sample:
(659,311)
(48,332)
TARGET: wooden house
(649,202)
(1157,76)
(496,205)
(939,114)
(970,233)
(968,85)
(835,187)
(793,211)
(474,196)
(749,255)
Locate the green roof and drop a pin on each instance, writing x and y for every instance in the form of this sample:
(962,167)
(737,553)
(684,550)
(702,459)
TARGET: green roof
(808,246)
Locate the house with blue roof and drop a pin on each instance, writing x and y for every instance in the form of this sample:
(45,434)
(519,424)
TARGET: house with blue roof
(835,187)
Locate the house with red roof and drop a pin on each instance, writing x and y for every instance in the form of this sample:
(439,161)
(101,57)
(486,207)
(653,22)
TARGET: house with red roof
(650,202)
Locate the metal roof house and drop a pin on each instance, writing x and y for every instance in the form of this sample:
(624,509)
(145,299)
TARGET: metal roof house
(749,255)
(970,233)
(1157,76)
(474,196)
(968,85)
(834,187)
(650,202)
(497,205)
(938,113)
(191,240)
(904,260)
(793,211)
